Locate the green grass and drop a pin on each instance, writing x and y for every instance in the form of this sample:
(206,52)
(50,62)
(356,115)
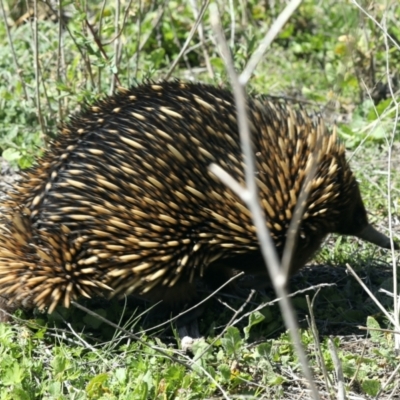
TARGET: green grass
(329,55)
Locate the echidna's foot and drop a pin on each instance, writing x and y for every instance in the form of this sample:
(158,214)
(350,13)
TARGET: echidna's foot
(6,309)
(190,329)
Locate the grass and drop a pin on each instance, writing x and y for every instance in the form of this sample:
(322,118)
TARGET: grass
(332,57)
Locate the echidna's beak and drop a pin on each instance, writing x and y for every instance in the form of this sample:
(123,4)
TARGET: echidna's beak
(370,234)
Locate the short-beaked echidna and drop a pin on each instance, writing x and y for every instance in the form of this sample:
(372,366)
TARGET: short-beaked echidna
(124,201)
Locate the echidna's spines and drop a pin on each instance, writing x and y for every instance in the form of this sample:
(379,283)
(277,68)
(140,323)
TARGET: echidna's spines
(124,199)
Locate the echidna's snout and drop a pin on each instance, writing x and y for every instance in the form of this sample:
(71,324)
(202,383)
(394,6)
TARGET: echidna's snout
(354,222)
(370,234)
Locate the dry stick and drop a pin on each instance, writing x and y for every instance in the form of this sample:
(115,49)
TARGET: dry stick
(242,307)
(292,233)
(250,196)
(144,343)
(60,59)
(341,395)
(370,294)
(270,303)
(178,43)
(37,67)
(129,334)
(189,38)
(10,42)
(99,80)
(276,27)
(394,41)
(85,343)
(82,54)
(365,328)
(195,306)
(86,58)
(119,31)
(394,392)
(202,40)
(117,46)
(139,27)
(233,26)
(154,24)
(359,364)
(388,382)
(101,47)
(389,201)
(314,330)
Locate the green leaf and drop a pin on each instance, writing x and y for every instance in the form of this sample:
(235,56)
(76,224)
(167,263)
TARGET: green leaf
(225,372)
(371,386)
(376,336)
(11,154)
(13,375)
(95,385)
(231,341)
(59,364)
(276,380)
(254,319)
(264,349)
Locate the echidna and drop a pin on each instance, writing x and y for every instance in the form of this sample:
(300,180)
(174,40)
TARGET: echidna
(123,200)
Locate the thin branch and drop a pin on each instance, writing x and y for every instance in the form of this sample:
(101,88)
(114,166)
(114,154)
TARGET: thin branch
(139,28)
(268,39)
(188,39)
(37,67)
(341,395)
(371,295)
(251,198)
(154,24)
(202,41)
(389,185)
(15,59)
(129,334)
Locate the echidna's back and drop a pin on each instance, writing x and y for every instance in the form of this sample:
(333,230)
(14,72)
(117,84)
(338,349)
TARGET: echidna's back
(124,197)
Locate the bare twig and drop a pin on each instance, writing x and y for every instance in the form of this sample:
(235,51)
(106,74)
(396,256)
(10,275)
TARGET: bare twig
(139,27)
(15,59)
(359,364)
(389,185)
(202,40)
(365,328)
(388,382)
(154,24)
(268,39)
(129,334)
(117,46)
(60,59)
(100,26)
(394,41)
(101,48)
(314,330)
(371,295)
(252,292)
(341,391)
(188,39)
(37,68)
(195,306)
(294,294)
(250,196)
(120,30)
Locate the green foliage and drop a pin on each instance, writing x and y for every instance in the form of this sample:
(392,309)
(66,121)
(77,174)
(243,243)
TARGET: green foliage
(322,50)
(328,52)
